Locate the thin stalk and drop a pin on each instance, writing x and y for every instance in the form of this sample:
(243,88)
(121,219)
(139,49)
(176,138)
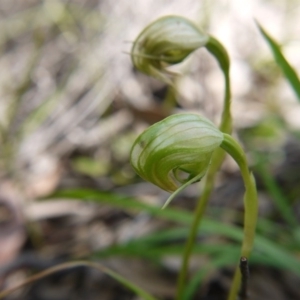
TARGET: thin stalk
(226,122)
(198,216)
(140,292)
(250,203)
(220,53)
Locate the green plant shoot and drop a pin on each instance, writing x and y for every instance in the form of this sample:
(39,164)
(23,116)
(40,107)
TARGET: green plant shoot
(181,149)
(177,151)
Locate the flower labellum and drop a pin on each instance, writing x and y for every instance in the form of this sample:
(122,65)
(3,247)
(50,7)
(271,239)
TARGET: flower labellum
(175,150)
(166,41)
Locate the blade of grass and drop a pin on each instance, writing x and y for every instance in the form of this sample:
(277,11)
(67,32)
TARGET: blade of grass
(219,262)
(157,245)
(160,243)
(282,258)
(137,290)
(265,227)
(278,254)
(127,203)
(279,199)
(284,65)
(153,251)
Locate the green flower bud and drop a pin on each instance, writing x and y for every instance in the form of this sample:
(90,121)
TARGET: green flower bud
(166,41)
(175,150)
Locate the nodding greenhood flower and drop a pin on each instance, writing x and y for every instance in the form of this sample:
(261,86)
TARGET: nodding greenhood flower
(175,150)
(166,41)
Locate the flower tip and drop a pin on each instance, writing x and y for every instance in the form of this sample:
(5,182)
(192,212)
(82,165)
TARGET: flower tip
(166,41)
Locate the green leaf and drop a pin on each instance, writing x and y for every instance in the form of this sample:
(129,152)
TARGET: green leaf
(270,250)
(63,266)
(284,65)
(279,198)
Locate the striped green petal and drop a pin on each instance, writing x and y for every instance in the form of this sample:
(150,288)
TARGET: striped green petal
(175,150)
(166,41)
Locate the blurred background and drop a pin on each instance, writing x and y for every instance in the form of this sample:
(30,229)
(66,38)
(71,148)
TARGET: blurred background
(71,106)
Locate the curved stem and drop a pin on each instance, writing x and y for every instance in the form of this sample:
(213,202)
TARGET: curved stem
(226,123)
(220,53)
(63,266)
(250,203)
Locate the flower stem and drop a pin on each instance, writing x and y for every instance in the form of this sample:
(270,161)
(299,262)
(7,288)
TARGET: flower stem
(220,53)
(217,159)
(250,203)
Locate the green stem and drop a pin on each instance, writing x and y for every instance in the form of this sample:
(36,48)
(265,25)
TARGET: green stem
(198,215)
(250,203)
(220,53)
(226,123)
